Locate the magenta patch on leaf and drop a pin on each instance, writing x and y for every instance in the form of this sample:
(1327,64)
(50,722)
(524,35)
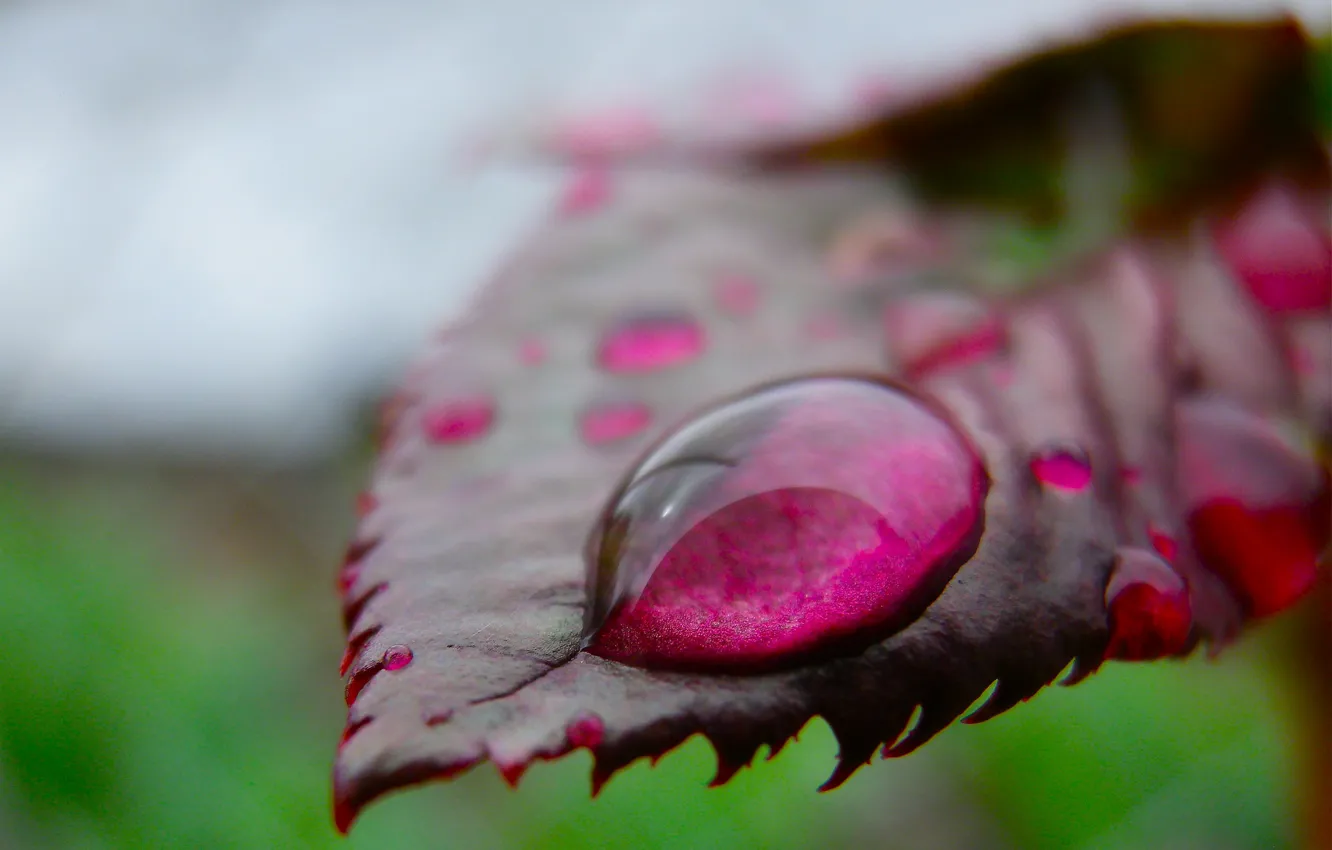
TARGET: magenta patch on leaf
(532,352)
(1062,469)
(807,517)
(648,343)
(615,131)
(612,421)
(1281,251)
(458,420)
(736,294)
(589,190)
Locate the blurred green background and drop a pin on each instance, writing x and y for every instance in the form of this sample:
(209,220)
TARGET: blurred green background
(170,662)
(171,641)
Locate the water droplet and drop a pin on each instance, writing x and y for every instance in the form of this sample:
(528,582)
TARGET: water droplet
(1130,475)
(1281,251)
(804,518)
(1163,543)
(650,342)
(589,190)
(587,730)
(736,294)
(1063,469)
(458,420)
(1259,511)
(397,657)
(1148,604)
(608,422)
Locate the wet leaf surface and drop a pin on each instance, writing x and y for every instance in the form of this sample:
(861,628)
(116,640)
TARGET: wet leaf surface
(465,589)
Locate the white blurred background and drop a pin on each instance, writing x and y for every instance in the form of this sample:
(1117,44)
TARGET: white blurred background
(225,224)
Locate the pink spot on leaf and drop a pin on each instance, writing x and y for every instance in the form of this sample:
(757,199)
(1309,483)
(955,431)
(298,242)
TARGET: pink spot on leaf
(609,422)
(616,131)
(736,294)
(649,343)
(459,420)
(532,352)
(1062,469)
(589,190)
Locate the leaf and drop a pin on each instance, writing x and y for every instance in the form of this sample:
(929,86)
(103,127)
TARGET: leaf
(657,293)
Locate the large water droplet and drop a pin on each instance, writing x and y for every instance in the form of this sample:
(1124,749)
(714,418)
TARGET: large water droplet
(650,342)
(804,518)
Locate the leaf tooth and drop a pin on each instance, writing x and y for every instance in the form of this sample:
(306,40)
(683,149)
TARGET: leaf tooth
(351,613)
(733,754)
(859,734)
(1009,692)
(935,716)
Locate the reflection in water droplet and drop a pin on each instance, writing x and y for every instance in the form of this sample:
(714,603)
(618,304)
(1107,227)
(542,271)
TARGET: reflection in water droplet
(647,343)
(605,423)
(806,517)
(458,420)
(1065,470)
(397,657)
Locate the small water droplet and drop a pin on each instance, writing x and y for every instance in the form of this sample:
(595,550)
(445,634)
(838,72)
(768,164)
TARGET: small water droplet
(397,657)
(586,730)
(589,190)
(736,294)
(1064,469)
(1148,604)
(458,420)
(802,518)
(1130,475)
(612,421)
(650,342)
(1165,544)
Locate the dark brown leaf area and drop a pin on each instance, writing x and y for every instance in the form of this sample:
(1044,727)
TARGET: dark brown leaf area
(465,588)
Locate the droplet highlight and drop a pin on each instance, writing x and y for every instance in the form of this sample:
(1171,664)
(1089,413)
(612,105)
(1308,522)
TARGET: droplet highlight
(651,342)
(805,518)
(458,420)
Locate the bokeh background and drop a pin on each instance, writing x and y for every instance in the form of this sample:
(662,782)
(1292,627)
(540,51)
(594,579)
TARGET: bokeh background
(223,229)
